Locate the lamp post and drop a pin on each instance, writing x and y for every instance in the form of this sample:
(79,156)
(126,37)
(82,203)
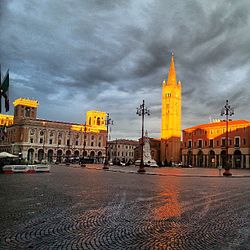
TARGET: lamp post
(116,155)
(108,122)
(84,145)
(68,155)
(142,111)
(227,111)
(44,131)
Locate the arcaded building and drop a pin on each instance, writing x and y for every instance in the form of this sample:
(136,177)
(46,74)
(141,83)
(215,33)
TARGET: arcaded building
(36,139)
(205,145)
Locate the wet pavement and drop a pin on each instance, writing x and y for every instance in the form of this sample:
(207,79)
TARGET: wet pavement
(89,208)
(169,171)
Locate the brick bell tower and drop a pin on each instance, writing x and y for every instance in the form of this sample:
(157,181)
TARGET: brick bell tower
(25,109)
(171,117)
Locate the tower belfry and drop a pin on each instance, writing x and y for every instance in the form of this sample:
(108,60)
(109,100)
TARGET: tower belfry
(171,116)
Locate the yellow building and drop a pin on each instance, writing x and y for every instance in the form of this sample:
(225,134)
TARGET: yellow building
(171,116)
(39,139)
(6,120)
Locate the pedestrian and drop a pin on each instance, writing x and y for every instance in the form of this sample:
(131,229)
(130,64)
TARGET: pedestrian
(219,167)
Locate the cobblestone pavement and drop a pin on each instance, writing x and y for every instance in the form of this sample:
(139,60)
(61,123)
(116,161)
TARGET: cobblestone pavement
(82,208)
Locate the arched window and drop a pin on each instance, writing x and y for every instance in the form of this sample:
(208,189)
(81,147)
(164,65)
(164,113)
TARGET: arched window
(98,121)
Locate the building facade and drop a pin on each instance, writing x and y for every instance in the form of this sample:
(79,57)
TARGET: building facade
(171,117)
(205,145)
(39,139)
(122,150)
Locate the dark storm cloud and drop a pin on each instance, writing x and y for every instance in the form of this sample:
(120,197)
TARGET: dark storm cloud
(109,55)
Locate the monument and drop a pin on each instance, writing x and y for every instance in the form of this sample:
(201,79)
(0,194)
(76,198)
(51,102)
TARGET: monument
(147,158)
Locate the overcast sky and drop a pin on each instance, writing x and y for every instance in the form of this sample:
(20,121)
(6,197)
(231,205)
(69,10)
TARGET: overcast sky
(108,55)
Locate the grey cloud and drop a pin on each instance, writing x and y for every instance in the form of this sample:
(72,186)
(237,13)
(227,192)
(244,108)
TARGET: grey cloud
(110,55)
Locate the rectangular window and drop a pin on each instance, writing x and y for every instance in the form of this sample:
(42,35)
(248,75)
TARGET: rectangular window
(237,141)
(200,143)
(211,143)
(50,141)
(223,142)
(59,142)
(190,144)
(217,142)
(41,140)
(31,140)
(76,143)
(92,144)
(68,142)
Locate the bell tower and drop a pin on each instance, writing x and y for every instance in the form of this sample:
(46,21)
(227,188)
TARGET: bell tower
(171,116)
(25,109)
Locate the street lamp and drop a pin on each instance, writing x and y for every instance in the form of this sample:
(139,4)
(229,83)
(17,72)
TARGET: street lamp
(69,153)
(142,111)
(84,145)
(227,111)
(108,122)
(44,131)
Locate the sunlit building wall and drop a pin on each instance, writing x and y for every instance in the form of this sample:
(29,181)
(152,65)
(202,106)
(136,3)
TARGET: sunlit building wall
(171,116)
(39,139)
(205,145)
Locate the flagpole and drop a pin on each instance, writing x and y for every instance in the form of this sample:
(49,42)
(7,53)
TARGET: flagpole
(0,90)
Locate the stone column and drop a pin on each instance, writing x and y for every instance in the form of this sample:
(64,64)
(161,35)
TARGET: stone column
(242,161)
(233,165)
(247,161)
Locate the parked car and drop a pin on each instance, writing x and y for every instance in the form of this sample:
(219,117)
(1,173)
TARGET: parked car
(187,166)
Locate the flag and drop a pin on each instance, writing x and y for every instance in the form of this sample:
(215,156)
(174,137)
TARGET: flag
(7,102)
(5,84)
(5,89)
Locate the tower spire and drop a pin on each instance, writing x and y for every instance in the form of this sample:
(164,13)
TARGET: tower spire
(171,72)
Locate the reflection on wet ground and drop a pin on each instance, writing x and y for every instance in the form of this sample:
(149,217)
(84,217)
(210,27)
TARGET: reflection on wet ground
(73,208)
